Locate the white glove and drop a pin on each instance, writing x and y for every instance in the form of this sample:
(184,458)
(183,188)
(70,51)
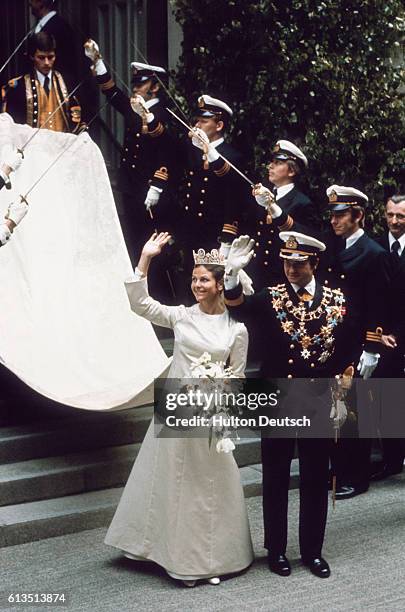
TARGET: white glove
(264,197)
(246,282)
(4,233)
(139,107)
(152,197)
(17,210)
(244,279)
(11,157)
(200,140)
(241,252)
(338,413)
(367,364)
(92,50)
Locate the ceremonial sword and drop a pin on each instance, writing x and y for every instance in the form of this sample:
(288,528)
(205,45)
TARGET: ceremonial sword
(220,155)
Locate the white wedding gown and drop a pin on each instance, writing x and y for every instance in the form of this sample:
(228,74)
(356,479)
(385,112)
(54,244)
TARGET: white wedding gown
(66,328)
(183,505)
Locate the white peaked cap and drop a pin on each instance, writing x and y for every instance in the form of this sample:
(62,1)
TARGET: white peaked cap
(149,67)
(289,147)
(299,246)
(206,100)
(341,190)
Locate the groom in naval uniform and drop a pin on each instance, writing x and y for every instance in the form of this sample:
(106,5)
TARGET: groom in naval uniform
(303,320)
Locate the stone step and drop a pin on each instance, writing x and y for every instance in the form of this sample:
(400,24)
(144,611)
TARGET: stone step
(38,520)
(36,479)
(81,432)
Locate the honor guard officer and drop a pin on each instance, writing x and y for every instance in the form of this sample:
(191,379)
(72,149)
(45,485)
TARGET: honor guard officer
(286,208)
(148,155)
(359,265)
(216,197)
(302,326)
(33,98)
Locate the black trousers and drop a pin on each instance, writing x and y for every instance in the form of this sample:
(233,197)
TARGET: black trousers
(277,455)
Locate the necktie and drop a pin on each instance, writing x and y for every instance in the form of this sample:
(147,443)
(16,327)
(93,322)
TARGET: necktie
(46,85)
(395,248)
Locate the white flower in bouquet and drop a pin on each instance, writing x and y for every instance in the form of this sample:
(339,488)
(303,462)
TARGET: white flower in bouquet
(225,445)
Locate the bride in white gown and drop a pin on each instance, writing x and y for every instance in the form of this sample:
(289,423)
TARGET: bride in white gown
(183,505)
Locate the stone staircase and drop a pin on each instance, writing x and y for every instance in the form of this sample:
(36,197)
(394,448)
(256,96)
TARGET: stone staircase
(64,474)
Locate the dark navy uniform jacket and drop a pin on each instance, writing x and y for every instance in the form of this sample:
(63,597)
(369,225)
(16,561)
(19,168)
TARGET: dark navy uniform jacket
(299,214)
(216,199)
(147,158)
(362,271)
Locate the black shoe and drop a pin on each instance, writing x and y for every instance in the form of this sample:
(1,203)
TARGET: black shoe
(318,567)
(346,492)
(280,565)
(386,472)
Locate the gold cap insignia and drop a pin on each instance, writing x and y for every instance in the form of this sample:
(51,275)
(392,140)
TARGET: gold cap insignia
(201,102)
(291,243)
(333,196)
(276,148)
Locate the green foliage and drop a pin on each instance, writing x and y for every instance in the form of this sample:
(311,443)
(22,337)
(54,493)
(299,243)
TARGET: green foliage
(325,74)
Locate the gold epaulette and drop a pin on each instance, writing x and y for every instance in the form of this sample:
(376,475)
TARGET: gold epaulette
(287,225)
(158,131)
(14,82)
(374,336)
(162,174)
(224,170)
(108,85)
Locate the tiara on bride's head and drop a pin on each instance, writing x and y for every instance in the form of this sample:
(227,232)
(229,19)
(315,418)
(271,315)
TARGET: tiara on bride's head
(213,258)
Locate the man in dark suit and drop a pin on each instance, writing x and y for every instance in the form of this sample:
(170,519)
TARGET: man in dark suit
(392,362)
(358,265)
(216,198)
(286,209)
(302,322)
(53,24)
(41,97)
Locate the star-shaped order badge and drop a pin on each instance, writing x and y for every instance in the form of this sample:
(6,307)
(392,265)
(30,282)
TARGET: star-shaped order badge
(305,354)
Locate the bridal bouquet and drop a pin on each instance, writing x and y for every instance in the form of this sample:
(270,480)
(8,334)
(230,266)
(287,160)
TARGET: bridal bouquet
(214,382)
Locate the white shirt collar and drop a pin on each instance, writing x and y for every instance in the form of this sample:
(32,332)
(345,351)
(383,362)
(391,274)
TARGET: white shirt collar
(41,78)
(283,190)
(216,143)
(310,288)
(401,241)
(150,103)
(44,20)
(354,237)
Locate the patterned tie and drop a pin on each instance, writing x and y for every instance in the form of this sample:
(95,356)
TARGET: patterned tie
(46,85)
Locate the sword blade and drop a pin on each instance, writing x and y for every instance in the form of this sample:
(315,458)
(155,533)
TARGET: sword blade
(220,155)
(57,158)
(16,49)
